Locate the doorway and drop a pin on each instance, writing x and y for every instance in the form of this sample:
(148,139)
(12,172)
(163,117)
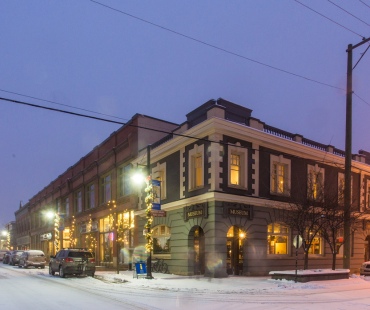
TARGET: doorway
(198,250)
(234,248)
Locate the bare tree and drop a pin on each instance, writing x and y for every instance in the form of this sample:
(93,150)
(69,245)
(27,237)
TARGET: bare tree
(306,221)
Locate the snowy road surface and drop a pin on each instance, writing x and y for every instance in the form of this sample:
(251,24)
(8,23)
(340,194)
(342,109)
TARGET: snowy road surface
(36,289)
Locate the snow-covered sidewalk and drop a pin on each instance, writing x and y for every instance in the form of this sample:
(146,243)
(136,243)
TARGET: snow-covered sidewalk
(232,284)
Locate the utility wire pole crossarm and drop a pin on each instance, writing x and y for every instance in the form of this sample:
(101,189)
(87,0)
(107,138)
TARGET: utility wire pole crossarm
(348,158)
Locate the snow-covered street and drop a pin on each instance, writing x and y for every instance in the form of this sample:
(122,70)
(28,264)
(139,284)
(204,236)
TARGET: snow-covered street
(36,289)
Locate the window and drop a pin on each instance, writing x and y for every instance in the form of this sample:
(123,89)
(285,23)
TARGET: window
(124,174)
(159,173)
(277,239)
(90,196)
(341,184)
(196,170)
(78,202)
(66,207)
(161,239)
(59,206)
(315,183)
(367,203)
(237,166)
(105,189)
(316,245)
(280,175)
(235,169)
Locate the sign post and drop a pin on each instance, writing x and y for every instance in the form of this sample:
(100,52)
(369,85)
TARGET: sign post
(297,242)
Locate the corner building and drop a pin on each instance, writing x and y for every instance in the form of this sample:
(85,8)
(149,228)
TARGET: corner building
(225,177)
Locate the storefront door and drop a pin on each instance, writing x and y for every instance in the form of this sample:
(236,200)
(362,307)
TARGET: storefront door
(199,257)
(234,247)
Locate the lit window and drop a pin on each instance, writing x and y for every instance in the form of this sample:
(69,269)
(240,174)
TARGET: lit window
(277,239)
(280,175)
(198,170)
(316,245)
(341,185)
(235,169)
(196,167)
(315,183)
(237,166)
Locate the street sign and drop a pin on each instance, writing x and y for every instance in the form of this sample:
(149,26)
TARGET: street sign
(297,241)
(158,213)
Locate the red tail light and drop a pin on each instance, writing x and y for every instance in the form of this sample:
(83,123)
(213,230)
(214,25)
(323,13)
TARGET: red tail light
(69,260)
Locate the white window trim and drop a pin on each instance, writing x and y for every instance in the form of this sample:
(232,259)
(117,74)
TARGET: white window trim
(243,154)
(198,149)
(287,180)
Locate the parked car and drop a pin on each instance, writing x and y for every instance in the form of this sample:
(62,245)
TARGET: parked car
(365,269)
(2,253)
(72,261)
(14,257)
(6,257)
(35,258)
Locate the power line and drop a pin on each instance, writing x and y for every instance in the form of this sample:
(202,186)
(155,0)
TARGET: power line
(142,127)
(214,46)
(333,21)
(365,4)
(65,105)
(348,12)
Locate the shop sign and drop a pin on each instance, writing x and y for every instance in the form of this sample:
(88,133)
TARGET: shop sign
(238,210)
(197,210)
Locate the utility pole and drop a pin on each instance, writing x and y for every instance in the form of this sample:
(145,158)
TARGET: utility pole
(348,160)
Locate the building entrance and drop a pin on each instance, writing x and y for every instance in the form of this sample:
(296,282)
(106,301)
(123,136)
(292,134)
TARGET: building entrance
(199,257)
(234,255)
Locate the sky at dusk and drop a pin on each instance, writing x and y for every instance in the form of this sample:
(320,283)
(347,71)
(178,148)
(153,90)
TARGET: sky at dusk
(286,60)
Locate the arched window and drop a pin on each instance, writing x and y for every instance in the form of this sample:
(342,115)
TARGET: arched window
(277,239)
(161,239)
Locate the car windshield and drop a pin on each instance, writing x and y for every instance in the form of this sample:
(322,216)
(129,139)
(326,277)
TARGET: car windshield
(80,254)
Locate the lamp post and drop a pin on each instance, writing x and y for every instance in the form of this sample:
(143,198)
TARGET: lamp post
(57,229)
(149,217)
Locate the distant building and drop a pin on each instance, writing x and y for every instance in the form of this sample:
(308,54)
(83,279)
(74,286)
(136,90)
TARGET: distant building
(224,176)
